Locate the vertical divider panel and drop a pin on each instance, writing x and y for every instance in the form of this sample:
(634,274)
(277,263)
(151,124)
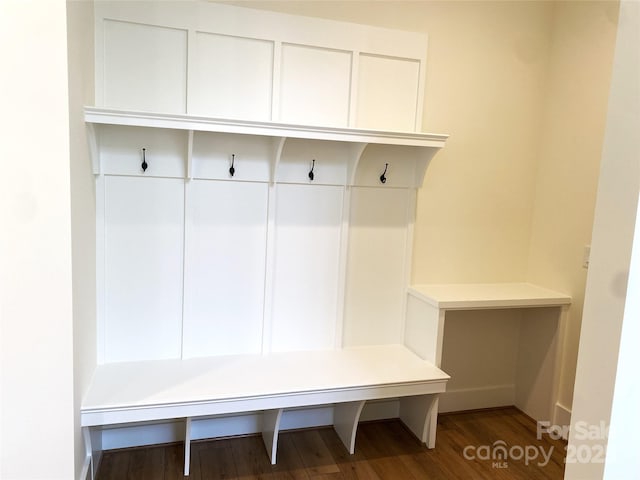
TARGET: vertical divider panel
(275,84)
(267,318)
(353,89)
(100,271)
(342,268)
(191,69)
(355,152)
(187,187)
(408,254)
(267,323)
(422,79)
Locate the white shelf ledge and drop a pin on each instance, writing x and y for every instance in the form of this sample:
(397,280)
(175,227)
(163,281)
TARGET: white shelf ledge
(471,296)
(97,115)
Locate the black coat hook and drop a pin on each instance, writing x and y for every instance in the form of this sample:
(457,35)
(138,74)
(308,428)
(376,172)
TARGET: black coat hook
(383,178)
(313,165)
(144,160)
(232,170)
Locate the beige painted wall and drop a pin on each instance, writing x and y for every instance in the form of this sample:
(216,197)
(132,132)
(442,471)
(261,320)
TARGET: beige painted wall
(486,69)
(572,129)
(606,292)
(521,87)
(36,344)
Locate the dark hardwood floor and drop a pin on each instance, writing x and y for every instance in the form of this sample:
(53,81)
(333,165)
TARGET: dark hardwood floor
(466,446)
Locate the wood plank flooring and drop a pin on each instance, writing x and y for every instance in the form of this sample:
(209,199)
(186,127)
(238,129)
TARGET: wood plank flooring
(385,450)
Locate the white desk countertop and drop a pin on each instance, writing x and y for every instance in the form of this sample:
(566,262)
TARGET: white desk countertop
(471,296)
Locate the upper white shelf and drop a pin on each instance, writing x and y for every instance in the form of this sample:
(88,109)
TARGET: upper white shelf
(97,115)
(471,296)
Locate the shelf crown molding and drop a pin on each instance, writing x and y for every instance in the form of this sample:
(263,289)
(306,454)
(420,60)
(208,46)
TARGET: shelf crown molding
(109,116)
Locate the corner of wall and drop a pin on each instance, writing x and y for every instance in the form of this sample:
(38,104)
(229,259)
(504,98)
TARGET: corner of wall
(80,51)
(571,133)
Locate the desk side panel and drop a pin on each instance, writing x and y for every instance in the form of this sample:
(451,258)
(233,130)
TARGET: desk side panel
(424,328)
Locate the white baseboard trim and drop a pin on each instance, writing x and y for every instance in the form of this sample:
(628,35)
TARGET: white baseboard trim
(475,398)
(150,433)
(562,417)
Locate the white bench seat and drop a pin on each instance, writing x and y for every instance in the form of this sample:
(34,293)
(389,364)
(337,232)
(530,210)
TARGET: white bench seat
(168,389)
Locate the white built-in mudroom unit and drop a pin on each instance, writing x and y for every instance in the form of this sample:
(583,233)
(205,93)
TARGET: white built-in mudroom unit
(256,179)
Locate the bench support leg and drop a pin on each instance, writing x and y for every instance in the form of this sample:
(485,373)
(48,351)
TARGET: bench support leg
(86,435)
(270,429)
(345,422)
(420,414)
(187,446)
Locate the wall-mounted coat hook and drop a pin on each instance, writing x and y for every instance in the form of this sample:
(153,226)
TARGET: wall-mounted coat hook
(383,177)
(232,169)
(313,165)
(144,160)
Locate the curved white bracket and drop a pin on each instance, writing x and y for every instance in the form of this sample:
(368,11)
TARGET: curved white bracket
(270,430)
(422,162)
(94,152)
(357,150)
(419,413)
(277,156)
(345,422)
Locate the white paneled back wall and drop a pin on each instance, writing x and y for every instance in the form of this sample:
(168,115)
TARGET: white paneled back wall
(230,62)
(241,240)
(194,261)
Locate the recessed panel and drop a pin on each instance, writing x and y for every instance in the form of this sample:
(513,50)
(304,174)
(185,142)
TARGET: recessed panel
(306,270)
(328,160)
(387,93)
(143,268)
(315,86)
(121,151)
(376,265)
(232,77)
(224,268)
(215,153)
(145,67)
(396,162)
